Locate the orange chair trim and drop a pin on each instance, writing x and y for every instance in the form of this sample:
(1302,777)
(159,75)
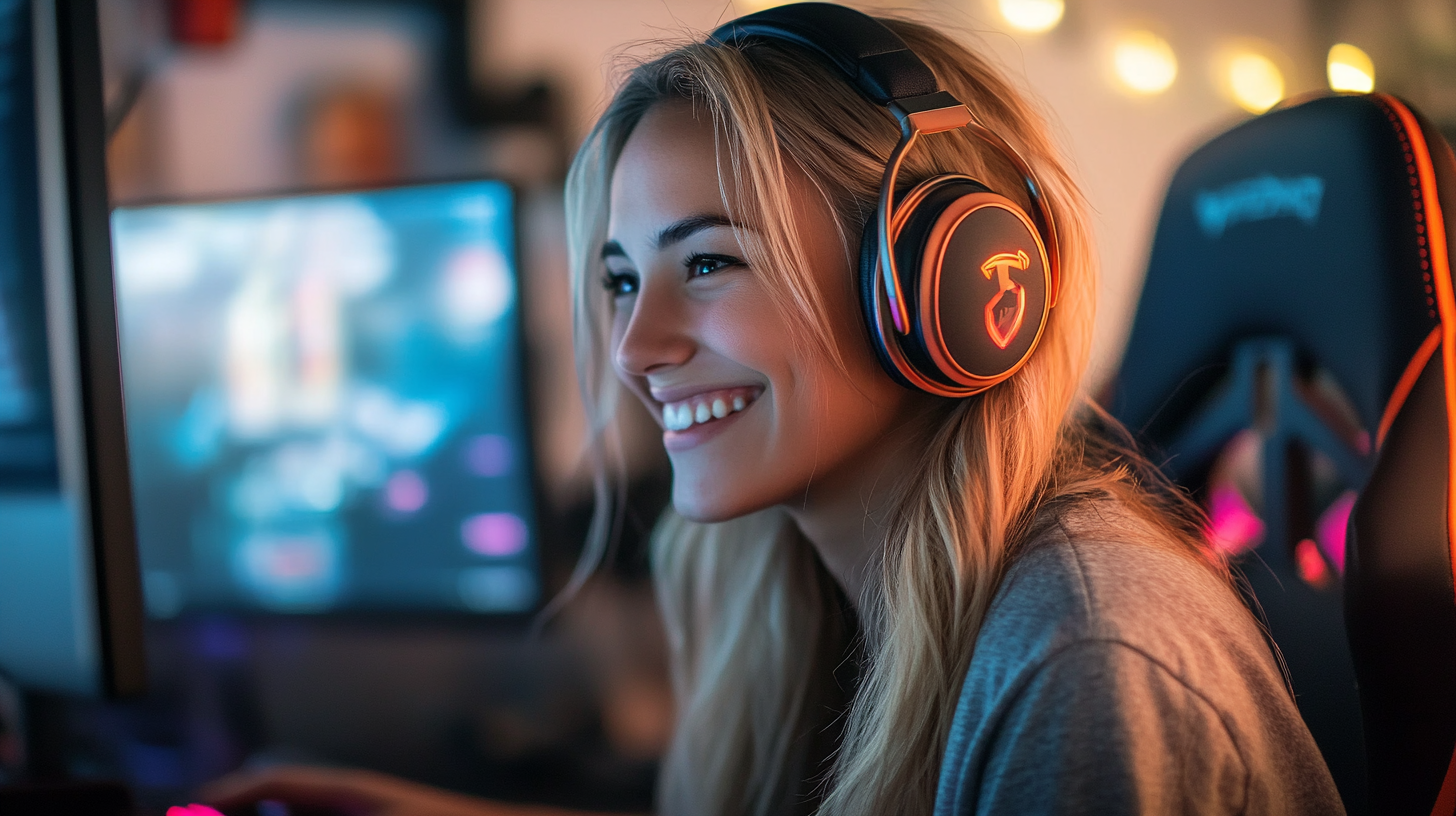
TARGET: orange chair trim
(1407,381)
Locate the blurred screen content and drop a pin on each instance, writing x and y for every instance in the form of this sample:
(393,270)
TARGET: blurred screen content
(27,433)
(325,402)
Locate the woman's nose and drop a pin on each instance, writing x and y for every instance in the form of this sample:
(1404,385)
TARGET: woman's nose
(657,335)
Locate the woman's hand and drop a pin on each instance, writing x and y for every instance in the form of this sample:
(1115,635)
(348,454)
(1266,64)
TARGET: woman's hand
(353,793)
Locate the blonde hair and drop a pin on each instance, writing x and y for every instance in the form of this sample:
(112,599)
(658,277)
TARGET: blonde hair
(754,623)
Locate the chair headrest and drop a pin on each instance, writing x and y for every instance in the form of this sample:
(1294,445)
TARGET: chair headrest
(1308,223)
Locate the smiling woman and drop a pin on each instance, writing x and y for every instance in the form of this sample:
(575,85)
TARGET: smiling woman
(881,600)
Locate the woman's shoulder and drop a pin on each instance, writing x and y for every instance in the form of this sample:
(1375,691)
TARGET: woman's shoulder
(1105,656)
(1102,581)
(1099,572)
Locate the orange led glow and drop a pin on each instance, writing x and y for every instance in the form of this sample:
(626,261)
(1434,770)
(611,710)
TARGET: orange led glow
(1003,320)
(1406,382)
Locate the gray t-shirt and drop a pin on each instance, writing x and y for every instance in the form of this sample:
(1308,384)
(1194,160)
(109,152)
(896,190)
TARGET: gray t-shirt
(1112,676)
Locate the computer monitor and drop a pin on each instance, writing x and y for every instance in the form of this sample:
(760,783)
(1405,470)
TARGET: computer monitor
(326,402)
(70,595)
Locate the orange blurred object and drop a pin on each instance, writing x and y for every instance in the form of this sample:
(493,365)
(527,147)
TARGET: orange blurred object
(352,137)
(1311,564)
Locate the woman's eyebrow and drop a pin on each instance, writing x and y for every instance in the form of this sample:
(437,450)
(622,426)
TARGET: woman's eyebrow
(612,249)
(679,230)
(686,227)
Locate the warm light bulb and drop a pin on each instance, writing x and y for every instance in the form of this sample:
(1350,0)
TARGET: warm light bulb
(1254,81)
(1350,69)
(1034,16)
(1144,62)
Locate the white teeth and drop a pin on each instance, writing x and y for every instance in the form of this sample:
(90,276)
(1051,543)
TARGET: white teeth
(680,416)
(676,417)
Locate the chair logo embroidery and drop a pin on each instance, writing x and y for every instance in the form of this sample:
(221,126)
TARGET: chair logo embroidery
(1258,199)
(1006,309)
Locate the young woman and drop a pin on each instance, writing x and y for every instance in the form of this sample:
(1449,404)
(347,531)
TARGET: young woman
(880,600)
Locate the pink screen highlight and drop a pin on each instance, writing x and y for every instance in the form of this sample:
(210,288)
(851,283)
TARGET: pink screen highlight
(495,534)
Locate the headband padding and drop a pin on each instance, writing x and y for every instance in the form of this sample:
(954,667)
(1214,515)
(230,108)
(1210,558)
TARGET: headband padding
(868,54)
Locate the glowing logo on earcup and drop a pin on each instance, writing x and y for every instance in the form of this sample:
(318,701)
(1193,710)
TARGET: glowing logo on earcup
(1005,309)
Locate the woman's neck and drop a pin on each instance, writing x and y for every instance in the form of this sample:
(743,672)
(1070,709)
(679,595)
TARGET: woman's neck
(846,514)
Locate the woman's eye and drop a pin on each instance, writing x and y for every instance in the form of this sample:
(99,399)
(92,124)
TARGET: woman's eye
(699,265)
(619,284)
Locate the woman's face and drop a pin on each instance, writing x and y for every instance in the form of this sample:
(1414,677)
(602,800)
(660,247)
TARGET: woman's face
(749,418)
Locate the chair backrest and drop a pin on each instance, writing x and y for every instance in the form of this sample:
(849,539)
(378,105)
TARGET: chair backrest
(1400,600)
(1400,595)
(1297,249)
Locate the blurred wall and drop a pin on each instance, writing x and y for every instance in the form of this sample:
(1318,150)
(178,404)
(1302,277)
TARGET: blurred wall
(226,115)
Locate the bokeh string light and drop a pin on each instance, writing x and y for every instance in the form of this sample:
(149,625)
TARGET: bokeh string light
(1349,69)
(1032,16)
(1252,80)
(1144,62)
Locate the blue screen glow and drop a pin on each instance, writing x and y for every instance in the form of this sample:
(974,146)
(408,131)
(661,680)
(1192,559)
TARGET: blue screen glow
(324,402)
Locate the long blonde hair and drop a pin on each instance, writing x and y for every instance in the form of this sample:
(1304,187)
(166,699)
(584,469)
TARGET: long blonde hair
(754,623)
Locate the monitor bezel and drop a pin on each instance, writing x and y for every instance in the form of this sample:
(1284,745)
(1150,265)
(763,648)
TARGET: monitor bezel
(81,328)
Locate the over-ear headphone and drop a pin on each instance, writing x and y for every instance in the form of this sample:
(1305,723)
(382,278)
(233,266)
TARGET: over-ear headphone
(956,281)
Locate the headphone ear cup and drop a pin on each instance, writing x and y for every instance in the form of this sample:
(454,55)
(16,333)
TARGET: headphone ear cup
(981,285)
(974,274)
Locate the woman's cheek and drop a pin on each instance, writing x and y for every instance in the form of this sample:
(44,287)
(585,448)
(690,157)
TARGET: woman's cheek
(747,329)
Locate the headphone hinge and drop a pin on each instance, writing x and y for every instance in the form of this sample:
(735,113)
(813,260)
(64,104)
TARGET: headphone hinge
(931,113)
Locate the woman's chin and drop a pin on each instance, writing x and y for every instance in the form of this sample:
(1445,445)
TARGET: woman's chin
(709,506)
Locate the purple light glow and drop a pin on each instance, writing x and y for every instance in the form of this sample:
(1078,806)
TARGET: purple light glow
(488,455)
(495,534)
(406,492)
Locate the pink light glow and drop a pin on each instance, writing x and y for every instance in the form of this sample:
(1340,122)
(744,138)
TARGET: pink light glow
(406,492)
(1232,526)
(1330,529)
(495,534)
(193,809)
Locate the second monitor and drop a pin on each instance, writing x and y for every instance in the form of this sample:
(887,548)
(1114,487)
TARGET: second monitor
(326,405)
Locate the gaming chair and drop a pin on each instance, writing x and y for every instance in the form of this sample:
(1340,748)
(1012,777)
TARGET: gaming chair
(1298,284)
